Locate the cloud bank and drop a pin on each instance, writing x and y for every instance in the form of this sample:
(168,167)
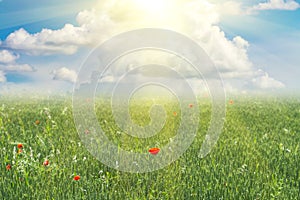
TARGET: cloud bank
(65,74)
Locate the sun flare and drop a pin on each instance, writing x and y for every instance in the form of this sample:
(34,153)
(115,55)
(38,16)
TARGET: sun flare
(132,14)
(153,5)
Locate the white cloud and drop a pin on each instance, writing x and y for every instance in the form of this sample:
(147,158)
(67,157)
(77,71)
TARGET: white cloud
(7,56)
(240,42)
(2,77)
(278,5)
(228,55)
(65,74)
(91,30)
(263,81)
(36,44)
(17,67)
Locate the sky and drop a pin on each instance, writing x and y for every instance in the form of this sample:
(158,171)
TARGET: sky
(254,44)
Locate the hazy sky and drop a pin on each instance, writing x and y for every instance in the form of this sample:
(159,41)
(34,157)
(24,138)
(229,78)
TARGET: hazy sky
(254,44)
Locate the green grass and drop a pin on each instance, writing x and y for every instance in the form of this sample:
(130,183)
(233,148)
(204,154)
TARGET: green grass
(256,157)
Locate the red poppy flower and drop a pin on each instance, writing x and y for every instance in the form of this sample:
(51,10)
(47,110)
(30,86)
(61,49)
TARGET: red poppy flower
(8,167)
(175,113)
(191,105)
(154,150)
(231,102)
(76,178)
(37,122)
(20,146)
(46,163)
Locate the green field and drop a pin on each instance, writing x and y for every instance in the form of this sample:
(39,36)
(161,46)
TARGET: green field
(256,157)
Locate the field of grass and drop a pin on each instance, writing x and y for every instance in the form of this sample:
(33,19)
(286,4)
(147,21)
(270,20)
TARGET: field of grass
(256,157)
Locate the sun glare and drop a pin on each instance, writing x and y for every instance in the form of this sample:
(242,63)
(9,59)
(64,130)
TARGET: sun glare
(152,5)
(132,14)
(158,13)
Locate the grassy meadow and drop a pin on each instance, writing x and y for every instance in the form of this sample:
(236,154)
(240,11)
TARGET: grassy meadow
(256,157)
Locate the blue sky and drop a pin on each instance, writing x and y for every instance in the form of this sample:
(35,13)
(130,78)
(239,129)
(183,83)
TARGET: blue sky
(266,35)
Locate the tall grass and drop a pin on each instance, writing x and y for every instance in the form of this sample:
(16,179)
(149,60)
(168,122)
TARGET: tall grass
(256,157)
